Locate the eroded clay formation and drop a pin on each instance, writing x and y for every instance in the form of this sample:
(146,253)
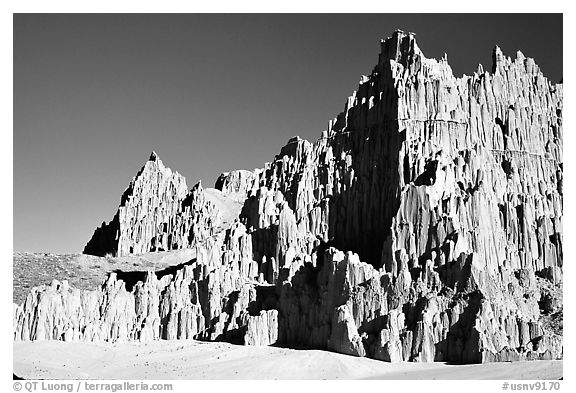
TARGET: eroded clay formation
(421,226)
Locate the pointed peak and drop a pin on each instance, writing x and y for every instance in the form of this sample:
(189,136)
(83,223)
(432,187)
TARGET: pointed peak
(400,34)
(154,156)
(400,47)
(153,164)
(197,186)
(497,59)
(520,56)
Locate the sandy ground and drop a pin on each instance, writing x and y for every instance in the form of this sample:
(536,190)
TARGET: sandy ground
(200,360)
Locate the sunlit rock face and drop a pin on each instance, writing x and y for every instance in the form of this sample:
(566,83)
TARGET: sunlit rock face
(158,213)
(424,225)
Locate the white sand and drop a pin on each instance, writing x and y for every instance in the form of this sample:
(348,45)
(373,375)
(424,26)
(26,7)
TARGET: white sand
(200,360)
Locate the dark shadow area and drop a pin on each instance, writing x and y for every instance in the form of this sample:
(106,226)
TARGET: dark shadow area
(504,129)
(103,241)
(362,224)
(264,243)
(301,305)
(456,275)
(173,269)
(520,215)
(461,345)
(131,278)
(428,177)
(507,167)
(234,336)
(266,299)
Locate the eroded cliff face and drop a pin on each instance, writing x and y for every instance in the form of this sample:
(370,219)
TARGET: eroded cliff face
(444,195)
(156,213)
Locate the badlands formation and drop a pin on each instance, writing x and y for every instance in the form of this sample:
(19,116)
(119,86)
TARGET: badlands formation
(424,225)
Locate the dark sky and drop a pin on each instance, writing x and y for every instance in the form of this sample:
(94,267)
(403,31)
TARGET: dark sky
(95,94)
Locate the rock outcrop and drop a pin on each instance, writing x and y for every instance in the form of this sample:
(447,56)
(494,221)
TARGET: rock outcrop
(158,213)
(443,194)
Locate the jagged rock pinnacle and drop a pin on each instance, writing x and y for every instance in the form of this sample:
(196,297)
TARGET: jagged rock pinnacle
(497,59)
(153,156)
(400,47)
